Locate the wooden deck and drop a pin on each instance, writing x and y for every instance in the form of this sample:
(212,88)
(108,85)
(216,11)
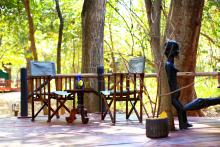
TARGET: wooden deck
(23,132)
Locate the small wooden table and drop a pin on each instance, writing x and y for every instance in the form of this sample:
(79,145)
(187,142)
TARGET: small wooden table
(80,107)
(63,96)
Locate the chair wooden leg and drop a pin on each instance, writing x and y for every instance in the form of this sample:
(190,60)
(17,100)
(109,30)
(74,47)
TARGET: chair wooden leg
(67,109)
(141,111)
(58,108)
(140,114)
(132,108)
(42,107)
(107,106)
(127,116)
(49,110)
(32,108)
(114,112)
(57,104)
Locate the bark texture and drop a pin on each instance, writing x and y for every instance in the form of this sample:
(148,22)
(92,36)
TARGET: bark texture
(32,48)
(184,25)
(93,18)
(154,15)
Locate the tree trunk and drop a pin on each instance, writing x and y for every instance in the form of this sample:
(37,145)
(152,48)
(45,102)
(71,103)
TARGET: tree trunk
(184,24)
(59,37)
(93,17)
(154,15)
(32,48)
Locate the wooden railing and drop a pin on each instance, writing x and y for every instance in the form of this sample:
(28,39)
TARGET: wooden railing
(7,85)
(181,74)
(67,81)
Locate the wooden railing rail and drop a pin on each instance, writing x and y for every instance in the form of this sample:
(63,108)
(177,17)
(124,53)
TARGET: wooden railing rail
(66,81)
(203,74)
(181,74)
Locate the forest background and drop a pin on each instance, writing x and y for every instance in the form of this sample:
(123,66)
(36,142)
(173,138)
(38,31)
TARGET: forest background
(126,35)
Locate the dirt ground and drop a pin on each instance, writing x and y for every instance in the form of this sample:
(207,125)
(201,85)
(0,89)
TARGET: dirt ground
(6,101)
(10,98)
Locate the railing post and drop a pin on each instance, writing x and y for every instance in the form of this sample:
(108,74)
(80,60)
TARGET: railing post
(101,86)
(24,93)
(80,94)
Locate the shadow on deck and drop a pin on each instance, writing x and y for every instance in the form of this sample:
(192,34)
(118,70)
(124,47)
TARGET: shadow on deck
(23,132)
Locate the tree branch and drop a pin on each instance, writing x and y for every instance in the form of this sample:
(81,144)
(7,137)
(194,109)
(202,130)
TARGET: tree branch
(210,39)
(59,37)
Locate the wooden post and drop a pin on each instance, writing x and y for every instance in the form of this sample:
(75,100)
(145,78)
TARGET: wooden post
(101,86)
(24,93)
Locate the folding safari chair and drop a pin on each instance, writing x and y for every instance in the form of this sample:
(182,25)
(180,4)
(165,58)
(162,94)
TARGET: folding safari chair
(127,87)
(41,74)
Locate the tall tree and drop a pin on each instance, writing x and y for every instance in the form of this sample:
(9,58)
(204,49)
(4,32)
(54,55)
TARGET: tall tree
(59,37)
(32,48)
(153,9)
(93,18)
(183,25)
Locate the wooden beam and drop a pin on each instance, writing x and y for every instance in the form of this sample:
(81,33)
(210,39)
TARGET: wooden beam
(146,75)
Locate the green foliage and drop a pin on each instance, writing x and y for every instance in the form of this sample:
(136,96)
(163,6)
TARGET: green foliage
(129,31)
(209,44)
(125,19)
(206,87)
(12,33)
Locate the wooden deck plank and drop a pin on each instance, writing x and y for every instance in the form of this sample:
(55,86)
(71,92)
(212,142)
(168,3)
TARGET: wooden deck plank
(23,132)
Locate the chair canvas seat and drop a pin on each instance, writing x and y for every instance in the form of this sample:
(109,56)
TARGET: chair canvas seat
(61,93)
(118,92)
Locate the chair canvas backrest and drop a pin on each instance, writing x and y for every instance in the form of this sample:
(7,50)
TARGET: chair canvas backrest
(136,65)
(42,68)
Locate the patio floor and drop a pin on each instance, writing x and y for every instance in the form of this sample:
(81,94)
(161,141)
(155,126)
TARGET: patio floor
(24,132)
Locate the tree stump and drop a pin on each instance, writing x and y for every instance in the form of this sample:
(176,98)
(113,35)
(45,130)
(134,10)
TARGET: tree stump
(157,127)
